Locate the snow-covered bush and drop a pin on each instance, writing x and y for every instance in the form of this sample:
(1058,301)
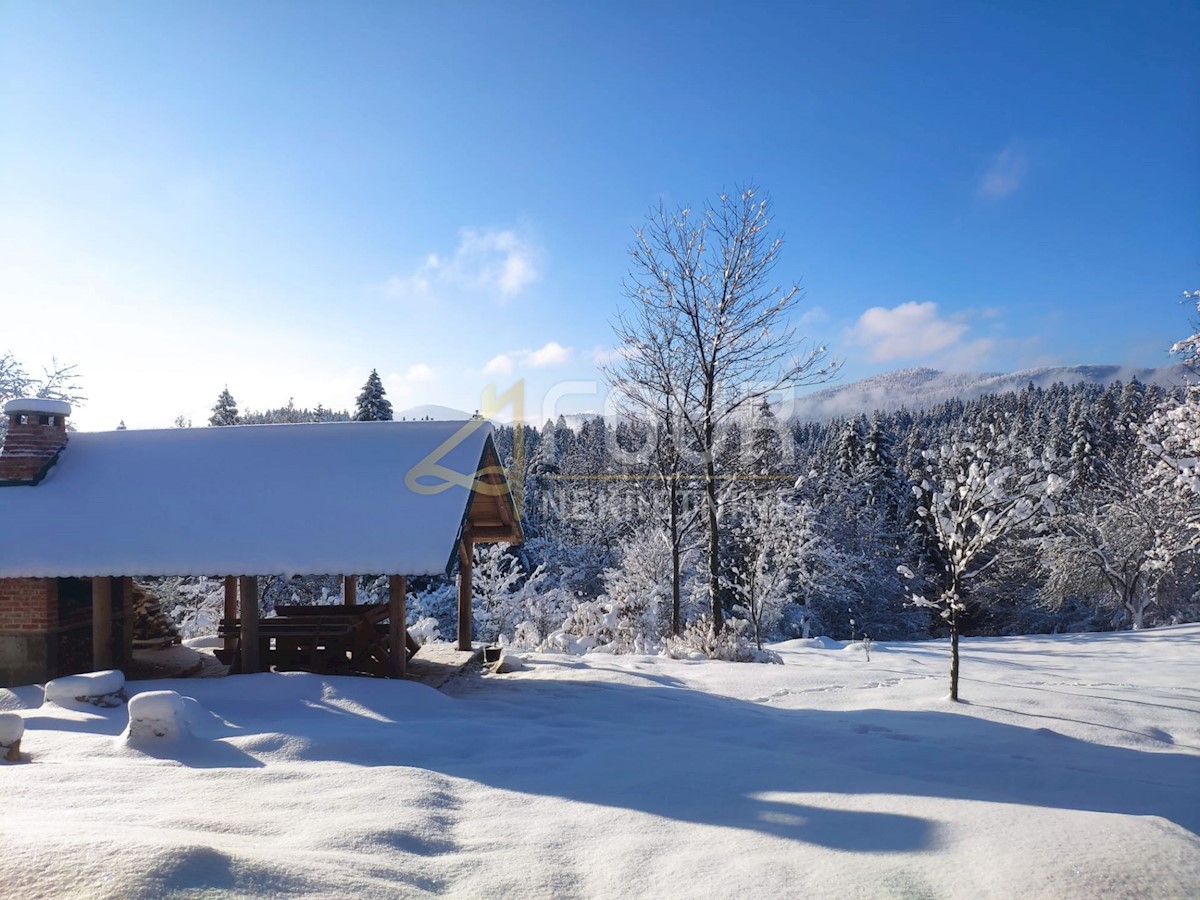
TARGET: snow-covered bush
(639,586)
(425,631)
(439,601)
(196,605)
(734,643)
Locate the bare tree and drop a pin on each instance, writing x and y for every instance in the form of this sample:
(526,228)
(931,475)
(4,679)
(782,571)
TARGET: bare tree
(58,382)
(708,334)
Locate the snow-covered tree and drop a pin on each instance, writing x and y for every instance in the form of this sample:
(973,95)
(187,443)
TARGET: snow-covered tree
(776,542)
(971,496)
(371,405)
(495,577)
(710,331)
(640,584)
(1115,544)
(224,411)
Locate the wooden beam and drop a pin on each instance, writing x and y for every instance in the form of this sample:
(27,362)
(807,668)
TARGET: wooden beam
(248,588)
(397,620)
(102,623)
(231,611)
(486,535)
(349,589)
(466,554)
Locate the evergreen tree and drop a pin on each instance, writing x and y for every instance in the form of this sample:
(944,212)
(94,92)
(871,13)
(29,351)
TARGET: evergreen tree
(225,412)
(371,405)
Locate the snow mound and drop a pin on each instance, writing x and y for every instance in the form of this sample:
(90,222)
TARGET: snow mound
(205,642)
(154,715)
(817,643)
(12,727)
(510,664)
(860,647)
(104,688)
(27,696)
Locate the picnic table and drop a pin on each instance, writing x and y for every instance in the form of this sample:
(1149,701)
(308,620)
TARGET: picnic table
(327,639)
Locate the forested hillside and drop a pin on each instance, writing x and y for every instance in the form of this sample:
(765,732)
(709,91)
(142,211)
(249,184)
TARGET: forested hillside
(820,520)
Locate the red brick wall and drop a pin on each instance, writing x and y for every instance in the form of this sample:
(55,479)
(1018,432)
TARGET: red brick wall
(27,604)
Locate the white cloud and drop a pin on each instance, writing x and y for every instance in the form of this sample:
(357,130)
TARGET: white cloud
(908,331)
(499,365)
(553,354)
(487,260)
(1006,173)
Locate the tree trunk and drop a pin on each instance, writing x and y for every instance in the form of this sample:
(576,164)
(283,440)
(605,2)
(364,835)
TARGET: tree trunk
(714,549)
(675,563)
(954,650)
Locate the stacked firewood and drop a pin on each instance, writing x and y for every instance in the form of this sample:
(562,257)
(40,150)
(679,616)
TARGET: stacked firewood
(152,628)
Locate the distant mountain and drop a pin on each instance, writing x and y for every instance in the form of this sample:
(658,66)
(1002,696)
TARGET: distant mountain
(431,412)
(923,388)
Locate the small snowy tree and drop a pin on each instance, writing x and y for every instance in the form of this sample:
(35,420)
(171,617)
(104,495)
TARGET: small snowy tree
(640,586)
(371,406)
(775,543)
(224,412)
(970,497)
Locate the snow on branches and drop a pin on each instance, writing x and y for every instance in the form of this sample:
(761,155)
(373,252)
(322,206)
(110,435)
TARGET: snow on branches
(973,492)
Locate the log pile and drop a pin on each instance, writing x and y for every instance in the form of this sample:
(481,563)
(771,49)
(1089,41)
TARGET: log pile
(152,628)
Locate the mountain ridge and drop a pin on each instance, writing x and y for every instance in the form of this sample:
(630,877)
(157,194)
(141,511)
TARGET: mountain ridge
(921,387)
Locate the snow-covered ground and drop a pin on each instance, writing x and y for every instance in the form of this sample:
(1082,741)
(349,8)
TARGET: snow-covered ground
(1073,770)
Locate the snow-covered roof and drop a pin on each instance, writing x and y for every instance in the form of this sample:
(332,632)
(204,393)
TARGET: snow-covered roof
(37,405)
(343,498)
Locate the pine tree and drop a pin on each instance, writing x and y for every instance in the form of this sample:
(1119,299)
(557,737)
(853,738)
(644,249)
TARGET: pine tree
(371,405)
(225,412)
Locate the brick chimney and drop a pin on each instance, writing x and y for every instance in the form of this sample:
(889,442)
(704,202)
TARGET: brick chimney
(37,431)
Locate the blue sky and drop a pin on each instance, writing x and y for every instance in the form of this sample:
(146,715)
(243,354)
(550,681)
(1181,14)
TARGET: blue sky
(282,196)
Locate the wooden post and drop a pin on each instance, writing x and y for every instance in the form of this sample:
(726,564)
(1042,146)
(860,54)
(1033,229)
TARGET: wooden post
(231,611)
(349,589)
(466,554)
(102,623)
(248,585)
(397,632)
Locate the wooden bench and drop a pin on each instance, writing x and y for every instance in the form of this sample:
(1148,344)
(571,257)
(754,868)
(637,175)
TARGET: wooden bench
(322,639)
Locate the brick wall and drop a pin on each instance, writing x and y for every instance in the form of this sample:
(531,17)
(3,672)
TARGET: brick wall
(28,619)
(27,604)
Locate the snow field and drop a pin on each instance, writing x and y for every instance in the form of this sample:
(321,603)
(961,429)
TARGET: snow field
(1073,770)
